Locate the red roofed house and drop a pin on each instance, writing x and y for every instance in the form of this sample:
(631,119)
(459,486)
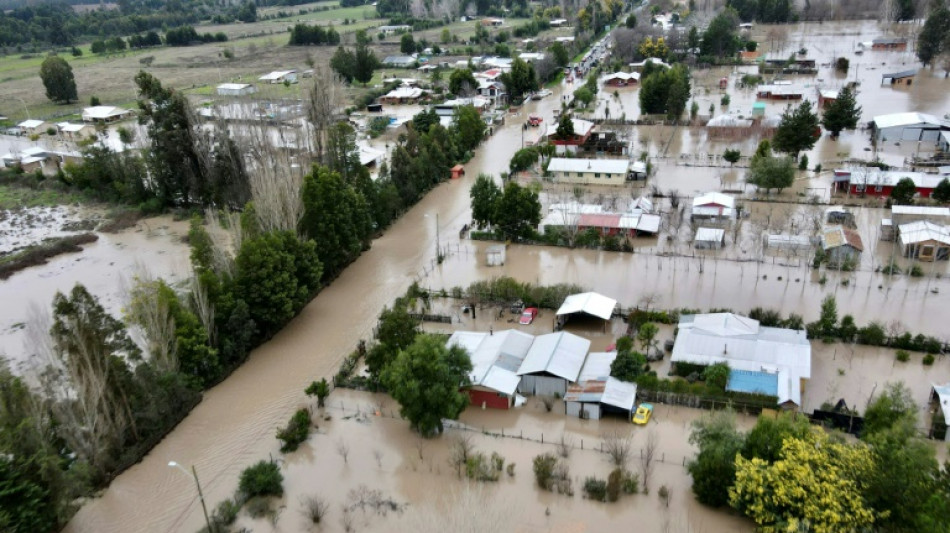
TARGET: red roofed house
(875,182)
(582,131)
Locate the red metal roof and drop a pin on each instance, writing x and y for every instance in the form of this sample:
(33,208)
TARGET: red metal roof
(600,221)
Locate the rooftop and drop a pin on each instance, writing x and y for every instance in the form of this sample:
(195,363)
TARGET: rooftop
(923,231)
(591,303)
(560,354)
(495,358)
(835,236)
(892,120)
(605,166)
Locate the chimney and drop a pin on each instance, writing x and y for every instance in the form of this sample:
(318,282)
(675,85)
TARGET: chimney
(725,349)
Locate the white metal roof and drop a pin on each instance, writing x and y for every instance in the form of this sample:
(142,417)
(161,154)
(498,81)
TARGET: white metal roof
(575,207)
(923,231)
(404,92)
(560,354)
(715,198)
(495,358)
(30,124)
(276,75)
(654,60)
(234,86)
(591,303)
(603,166)
(889,178)
(744,345)
(102,112)
(709,235)
(626,76)
(642,204)
(943,394)
(920,210)
(894,120)
(830,94)
(728,121)
(71,128)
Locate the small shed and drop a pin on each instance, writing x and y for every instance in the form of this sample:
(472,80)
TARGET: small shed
(597,393)
(495,255)
(586,303)
(279,76)
(758,109)
(236,89)
(457,172)
(924,241)
(713,206)
(32,126)
(898,44)
(104,113)
(904,77)
(553,362)
(839,215)
(709,238)
(788,242)
(841,244)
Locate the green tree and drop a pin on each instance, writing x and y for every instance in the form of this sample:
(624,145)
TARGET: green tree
(518,211)
(714,467)
(932,40)
(364,64)
(796,131)
(277,274)
(842,114)
(904,476)
(462,81)
(425,379)
(336,218)
(894,406)
(468,127)
(561,56)
(397,331)
(732,156)
(942,191)
(765,440)
(771,172)
(692,39)
(717,376)
(828,319)
(905,10)
(320,389)
(631,21)
(583,96)
(58,79)
(407,44)
(520,79)
(628,365)
(904,192)
(523,159)
(485,195)
(446,36)
(565,127)
(646,335)
(343,63)
(720,38)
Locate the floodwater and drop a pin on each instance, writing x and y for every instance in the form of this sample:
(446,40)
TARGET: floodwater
(235,424)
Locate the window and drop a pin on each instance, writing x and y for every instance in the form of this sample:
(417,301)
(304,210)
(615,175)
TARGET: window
(596,174)
(878,188)
(580,175)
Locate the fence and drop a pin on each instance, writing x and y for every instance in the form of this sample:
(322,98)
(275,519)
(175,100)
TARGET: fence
(700,402)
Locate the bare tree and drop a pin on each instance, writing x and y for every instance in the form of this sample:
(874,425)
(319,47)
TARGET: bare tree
(378,455)
(470,508)
(564,446)
(314,508)
(204,308)
(647,455)
(460,452)
(618,445)
(325,102)
(343,449)
(148,310)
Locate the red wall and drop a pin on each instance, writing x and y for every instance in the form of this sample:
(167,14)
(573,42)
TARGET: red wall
(871,190)
(491,399)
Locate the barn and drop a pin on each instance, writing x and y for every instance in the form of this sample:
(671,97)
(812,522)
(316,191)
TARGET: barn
(552,363)
(495,362)
(596,393)
(907,127)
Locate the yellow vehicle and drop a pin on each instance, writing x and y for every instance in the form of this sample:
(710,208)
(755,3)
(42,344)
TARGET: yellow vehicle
(643,414)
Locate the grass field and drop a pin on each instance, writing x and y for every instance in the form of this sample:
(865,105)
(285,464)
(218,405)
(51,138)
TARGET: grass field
(12,197)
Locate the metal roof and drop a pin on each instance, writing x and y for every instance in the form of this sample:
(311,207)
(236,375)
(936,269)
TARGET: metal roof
(626,76)
(835,236)
(893,120)
(920,210)
(943,394)
(743,344)
(30,124)
(710,235)
(610,391)
(495,358)
(714,198)
(234,86)
(752,381)
(103,112)
(560,354)
(604,166)
(591,303)
(901,74)
(923,231)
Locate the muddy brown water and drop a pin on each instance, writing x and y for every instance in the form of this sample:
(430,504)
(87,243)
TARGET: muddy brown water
(235,424)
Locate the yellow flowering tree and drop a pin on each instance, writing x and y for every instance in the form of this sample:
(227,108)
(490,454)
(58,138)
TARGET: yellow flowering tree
(816,485)
(648,48)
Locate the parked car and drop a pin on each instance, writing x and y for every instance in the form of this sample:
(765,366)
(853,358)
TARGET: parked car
(643,414)
(528,316)
(534,120)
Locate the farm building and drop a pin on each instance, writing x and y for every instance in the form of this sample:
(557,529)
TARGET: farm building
(586,303)
(841,244)
(396,28)
(940,407)
(789,242)
(616,224)
(779,92)
(552,363)
(75,131)
(880,183)
(402,95)
(104,113)
(28,159)
(596,393)
(713,206)
(904,214)
(771,361)
(399,61)
(709,238)
(826,97)
(898,44)
(622,79)
(924,241)
(32,126)
(904,77)
(590,171)
(907,127)
(495,362)
(279,76)
(236,89)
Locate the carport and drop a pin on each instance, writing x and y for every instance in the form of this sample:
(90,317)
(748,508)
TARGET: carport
(586,303)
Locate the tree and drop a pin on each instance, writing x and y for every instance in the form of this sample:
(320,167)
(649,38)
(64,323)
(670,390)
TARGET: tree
(397,331)
(523,159)
(462,82)
(771,172)
(904,192)
(646,334)
(765,440)
(425,379)
(565,127)
(518,211)
(58,79)
(631,21)
(560,54)
(714,467)
(796,131)
(628,365)
(344,63)
(468,127)
(903,478)
(828,319)
(732,156)
(407,44)
(277,274)
(716,376)
(485,195)
(248,12)
(894,406)
(365,63)
(665,91)
(336,218)
(692,39)
(720,39)
(816,483)
(583,96)
(932,40)
(942,191)
(842,114)
(520,79)
(320,389)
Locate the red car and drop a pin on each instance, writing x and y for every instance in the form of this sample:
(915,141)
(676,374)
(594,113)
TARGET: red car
(528,315)
(534,120)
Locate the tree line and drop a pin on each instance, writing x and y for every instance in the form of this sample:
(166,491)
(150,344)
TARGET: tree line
(304,34)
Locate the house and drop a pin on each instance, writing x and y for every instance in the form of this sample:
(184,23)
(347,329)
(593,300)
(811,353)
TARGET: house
(557,23)
(904,77)
(104,113)
(622,79)
(924,240)
(493,90)
(638,67)
(496,358)
(569,39)
(586,303)
(492,22)
(713,207)
(875,182)
(795,65)
(582,217)
(728,126)
(896,44)
(709,238)
(552,363)
(236,89)
(531,57)
(369,156)
(826,97)
(447,108)
(279,76)
(940,407)
(748,58)
(582,131)
(391,29)
(491,74)
(779,92)
(771,361)
(75,131)
(905,214)
(841,245)
(500,63)
(399,62)
(32,127)
(642,205)
(596,393)
(907,127)
(402,95)
(28,159)
(590,171)
(457,171)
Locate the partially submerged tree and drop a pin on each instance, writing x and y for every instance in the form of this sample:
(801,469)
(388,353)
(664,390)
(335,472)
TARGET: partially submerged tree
(842,114)
(797,130)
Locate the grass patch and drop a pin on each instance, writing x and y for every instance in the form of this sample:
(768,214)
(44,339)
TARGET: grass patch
(41,253)
(14,197)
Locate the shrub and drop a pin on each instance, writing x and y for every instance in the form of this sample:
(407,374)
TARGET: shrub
(481,468)
(595,489)
(916,271)
(262,479)
(297,431)
(873,335)
(258,507)
(630,483)
(614,484)
(717,375)
(225,514)
(511,469)
(314,509)
(724,101)
(903,356)
(544,466)
(803,163)
(929,359)
(664,494)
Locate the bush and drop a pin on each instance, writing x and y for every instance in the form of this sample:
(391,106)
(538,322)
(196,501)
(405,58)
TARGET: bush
(225,514)
(262,479)
(916,271)
(297,431)
(717,376)
(481,468)
(724,101)
(614,485)
(595,489)
(552,475)
(929,359)
(803,163)
(630,483)
(903,356)
(872,335)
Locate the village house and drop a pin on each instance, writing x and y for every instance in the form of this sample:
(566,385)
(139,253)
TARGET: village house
(638,67)
(493,90)
(236,89)
(826,97)
(583,217)
(924,240)
(582,132)
(586,305)
(590,171)
(890,44)
(492,22)
(75,132)
(531,57)
(621,79)
(402,95)
(104,114)
(907,127)
(713,207)
(399,62)
(29,159)
(391,29)
(841,245)
(32,127)
(495,358)
(709,238)
(904,77)
(596,393)
(876,182)
(279,76)
(552,363)
(762,360)
(778,91)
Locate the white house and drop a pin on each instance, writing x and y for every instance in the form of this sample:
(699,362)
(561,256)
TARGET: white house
(29,127)
(553,361)
(496,358)
(104,113)
(597,393)
(590,171)
(531,57)
(771,361)
(75,131)
(236,89)
(713,206)
(279,76)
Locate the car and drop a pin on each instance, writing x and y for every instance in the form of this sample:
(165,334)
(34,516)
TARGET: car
(534,120)
(643,414)
(528,316)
